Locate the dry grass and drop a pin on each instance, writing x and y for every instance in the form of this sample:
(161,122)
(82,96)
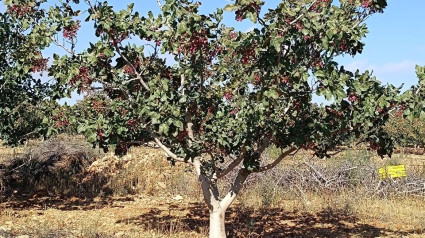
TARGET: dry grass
(145,216)
(145,186)
(148,172)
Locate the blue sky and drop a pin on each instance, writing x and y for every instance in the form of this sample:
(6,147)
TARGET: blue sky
(394,45)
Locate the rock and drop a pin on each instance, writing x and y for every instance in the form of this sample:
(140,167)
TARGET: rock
(178,198)
(162,185)
(120,234)
(5,228)
(23,236)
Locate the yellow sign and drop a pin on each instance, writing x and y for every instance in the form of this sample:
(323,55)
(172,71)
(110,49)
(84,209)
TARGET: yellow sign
(396,171)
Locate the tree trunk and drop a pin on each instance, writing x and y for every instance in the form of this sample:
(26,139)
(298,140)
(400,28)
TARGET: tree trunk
(216,205)
(217,225)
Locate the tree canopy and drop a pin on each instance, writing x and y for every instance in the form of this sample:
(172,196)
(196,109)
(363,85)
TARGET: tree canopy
(225,97)
(225,90)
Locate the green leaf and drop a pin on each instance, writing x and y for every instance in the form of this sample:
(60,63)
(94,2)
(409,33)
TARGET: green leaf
(163,129)
(231,7)
(130,7)
(277,45)
(81,129)
(178,124)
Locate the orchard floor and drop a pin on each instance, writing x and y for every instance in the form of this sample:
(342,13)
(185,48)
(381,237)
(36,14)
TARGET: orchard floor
(331,214)
(144,216)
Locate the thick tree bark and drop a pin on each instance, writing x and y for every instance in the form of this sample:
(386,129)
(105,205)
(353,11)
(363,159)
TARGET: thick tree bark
(217,223)
(216,205)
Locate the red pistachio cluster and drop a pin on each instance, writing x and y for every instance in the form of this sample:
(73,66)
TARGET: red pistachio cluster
(366,4)
(181,135)
(342,45)
(239,15)
(257,78)
(194,44)
(21,10)
(228,95)
(352,97)
(70,31)
(232,35)
(374,146)
(132,123)
(130,69)
(115,37)
(338,114)
(39,64)
(401,110)
(284,80)
(248,55)
(98,106)
(60,120)
(83,77)
(251,7)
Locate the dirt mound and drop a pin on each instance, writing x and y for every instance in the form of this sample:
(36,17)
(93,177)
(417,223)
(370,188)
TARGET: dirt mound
(68,166)
(54,166)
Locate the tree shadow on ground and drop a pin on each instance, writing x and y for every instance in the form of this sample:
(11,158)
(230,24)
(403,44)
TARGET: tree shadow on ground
(62,203)
(263,223)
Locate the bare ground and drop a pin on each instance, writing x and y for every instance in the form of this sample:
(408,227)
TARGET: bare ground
(334,214)
(144,216)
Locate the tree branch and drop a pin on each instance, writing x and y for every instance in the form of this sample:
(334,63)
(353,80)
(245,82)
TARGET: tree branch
(209,187)
(130,80)
(302,14)
(169,153)
(182,81)
(298,18)
(71,52)
(232,165)
(133,67)
(91,6)
(189,123)
(277,161)
(237,161)
(264,144)
(235,189)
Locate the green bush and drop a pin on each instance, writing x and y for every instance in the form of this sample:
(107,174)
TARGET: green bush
(405,132)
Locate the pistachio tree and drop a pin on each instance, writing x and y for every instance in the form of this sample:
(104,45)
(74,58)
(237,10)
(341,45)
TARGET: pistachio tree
(225,96)
(21,93)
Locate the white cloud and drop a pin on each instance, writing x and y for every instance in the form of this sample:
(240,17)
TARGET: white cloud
(401,67)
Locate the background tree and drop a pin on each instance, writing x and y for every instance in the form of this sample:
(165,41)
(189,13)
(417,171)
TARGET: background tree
(227,95)
(21,91)
(406,133)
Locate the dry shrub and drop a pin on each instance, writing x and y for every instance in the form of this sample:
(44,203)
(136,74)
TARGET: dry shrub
(55,166)
(66,165)
(354,173)
(146,170)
